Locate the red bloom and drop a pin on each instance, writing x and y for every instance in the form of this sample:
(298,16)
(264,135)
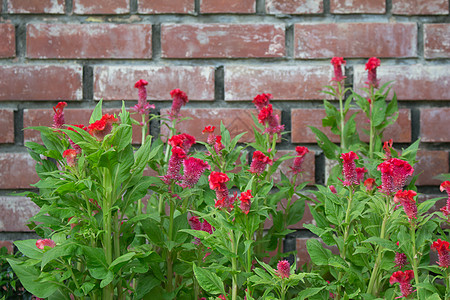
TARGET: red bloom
(45,243)
(143,106)
(75,146)
(332,189)
(195,224)
(58,117)
(387,147)
(442,248)
(218,146)
(283,269)
(174,166)
(270,120)
(297,165)
(179,99)
(406,199)
(246,201)
(211,136)
(262,100)
(371,67)
(193,169)
(218,180)
(404,279)
(400,260)
(184,140)
(445,186)
(360,174)
(349,168)
(394,173)
(369,183)
(337,63)
(259,162)
(100,128)
(71,156)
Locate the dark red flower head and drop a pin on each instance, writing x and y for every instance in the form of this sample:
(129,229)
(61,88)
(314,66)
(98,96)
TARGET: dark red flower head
(371,67)
(445,186)
(100,128)
(209,129)
(283,269)
(404,279)
(262,100)
(349,168)
(179,99)
(70,155)
(259,162)
(143,106)
(193,170)
(369,183)
(183,140)
(246,203)
(394,173)
(140,83)
(297,165)
(58,118)
(337,63)
(443,253)
(218,180)
(406,199)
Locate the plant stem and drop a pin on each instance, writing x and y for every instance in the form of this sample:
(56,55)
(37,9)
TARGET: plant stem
(234,268)
(372,130)
(169,254)
(414,261)
(108,291)
(341,110)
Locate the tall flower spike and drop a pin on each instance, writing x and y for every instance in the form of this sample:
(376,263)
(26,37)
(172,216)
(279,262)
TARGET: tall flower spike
(262,100)
(297,165)
(360,174)
(270,120)
(246,202)
(371,67)
(259,162)
(58,117)
(174,166)
(143,106)
(283,269)
(179,99)
(71,157)
(184,140)
(196,224)
(443,253)
(445,186)
(400,259)
(406,199)
(211,136)
(193,169)
(218,146)
(217,182)
(337,63)
(394,173)
(100,128)
(349,168)
(404,279)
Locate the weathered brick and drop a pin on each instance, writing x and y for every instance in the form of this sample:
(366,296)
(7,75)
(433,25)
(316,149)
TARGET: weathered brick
(429,165)
(17,171)
(294,7)
(231,6)
(412,82)
(117,82)
(235,120)
(308,167)
(44,117)
(436,40)
(420,7)
(400,131)
(434,124)
(6,126)
(107,7)
(358,6)
(368,39)
(166,7)
(36,6)
(41,82)
(89,41)
(283,82)
(15,213)
(222,40)
(8,244)
(8,38)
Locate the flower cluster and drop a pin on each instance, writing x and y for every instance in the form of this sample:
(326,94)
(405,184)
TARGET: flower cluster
(400,259)
(259,162)
(297,165)
(406,199)
(58,117)
(371,67)
(337,63)
(41,244)
(283,269)
(246,202)
(71,157)
(445,186)
(211,136)
(266,116)
(143,107)
(349,168)
(217,182)
(193,170)
(179,99)
(100,128)
(443,253)
(404,279)
(196,224)
(394,173)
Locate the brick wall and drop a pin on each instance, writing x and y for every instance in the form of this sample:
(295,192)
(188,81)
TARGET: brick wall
(222,53)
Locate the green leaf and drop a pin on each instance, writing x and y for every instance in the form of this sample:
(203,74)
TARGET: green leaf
(319,255)
(29,249)
(122,137)
(179,223)
(97,112)
(306,293)
(382,242)
(145,284)
(96,262)
(119,262)
(60,250)
(328,147)
(209,281)
(107,280)
(153,231)
(296,212)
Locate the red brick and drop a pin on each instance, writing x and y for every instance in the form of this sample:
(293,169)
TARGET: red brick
(41,82)
(434,124)
(89,41)
(230,6)
(294,7)
(117,82)
(6,126)
(437,40)
(400,132)
(166,7)
(44,117)
(107,7)
(8,38)
(420,7)
(17,171)
(15,213)
(358,6)
(222,40)
(245,82)
(308,167)
(36,6)
(429,165)
(412,82)
(368,39)
(236,120)
(8,244)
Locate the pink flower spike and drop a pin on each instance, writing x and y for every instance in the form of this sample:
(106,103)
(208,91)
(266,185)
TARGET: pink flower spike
(71,157)
(246,203)
(179,99)
(100,128)
(58,118)
(443,253)
(360,174)
(369,183)
(174,166)
(349,168)
(184,140)
(262,100)
(41,244)
(193,170)
(333,189)
(404,279)
(406,199)
(371,67)
(283,269)
(394,173)
(445,186)
(297,165)
(259,162)
(337,63)
(211,136)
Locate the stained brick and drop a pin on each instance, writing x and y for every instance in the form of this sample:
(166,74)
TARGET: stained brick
(434,124)
(231,6)
(89,41)
(166,7)
(222,40)
(283,82)
(6,126)
(429,165)
(17,171)
(437,40)
(368,39)
(107,7)
(412,82)
(36,6)
(8,38)
(358,6)
(15,213)
(294,7)
(420,7)
(400,132)
(40,82)
(117,82)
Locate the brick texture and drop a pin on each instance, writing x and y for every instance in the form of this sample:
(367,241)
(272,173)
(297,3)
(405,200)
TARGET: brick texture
(436,40)
(107,7)
(358,6)
(222,40)
(298,82)
(367,39)
(412,82)
(17,171)
(117,82)
(36,6)
(8,38)
(15,213)
(400,132)
(230,6)
(89,41)
(434,124)
(6,126)
(420,7)
(294,7)
(40,82)
(429,165)
(166,7)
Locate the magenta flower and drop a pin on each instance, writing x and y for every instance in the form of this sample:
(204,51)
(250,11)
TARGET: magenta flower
(444,256)
(262,100)
(179,99)
(445,186)
(259,162)
(58,117)
(297,165)
(360,174)
(143,106)
(406,199)
(400,259)
(369,183)
(193,169)
(349,168)
(100,128)
(333,189)
(45,243)
(404,279)
(217,182)
(271,121)
(174,166)
(195,224)
(387,147)
(75,146)
(371,67)
(394,173)
(337,63)
(211,136)
(184,141)
(71,157)
(218,146)
(283,269)
(246,202)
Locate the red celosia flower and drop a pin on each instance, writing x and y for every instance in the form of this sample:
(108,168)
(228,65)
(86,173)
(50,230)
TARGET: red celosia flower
(195,224)
(222,297)
(387,147)
(406,199)
(184,140)
(333,189)
(369,183)
(100,128)
(360,174)
(283,269)
(394,173)
(193,169)
(218,146)
(404,279)
(297,165)
(337,63)
(71,156)
(262,100)
(45,242)
(349,168)
(246,201)
(179,99)
(174,166)
(445,186)
(143,106)
(270,120)
(218,180)
(442,248)
(58,117)
(211,136)
(371,67)
(400,259)
(75,146)
(259,162)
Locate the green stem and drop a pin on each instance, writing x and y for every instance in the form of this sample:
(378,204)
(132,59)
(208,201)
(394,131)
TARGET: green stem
(117,253)
(447,283)
(108,291)
(234,268)
(372,130)
(414,261)
(341,111)
(144,129)
(169,254)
